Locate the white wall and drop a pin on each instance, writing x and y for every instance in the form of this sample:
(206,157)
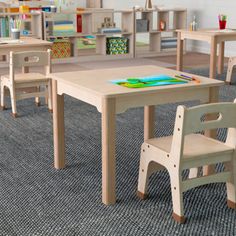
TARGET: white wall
(70,4)
(206,12)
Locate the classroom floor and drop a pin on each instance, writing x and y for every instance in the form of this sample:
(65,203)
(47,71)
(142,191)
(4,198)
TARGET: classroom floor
(191,60)
(38,200)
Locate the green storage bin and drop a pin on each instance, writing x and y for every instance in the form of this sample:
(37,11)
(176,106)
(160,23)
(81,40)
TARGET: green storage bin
(117,45)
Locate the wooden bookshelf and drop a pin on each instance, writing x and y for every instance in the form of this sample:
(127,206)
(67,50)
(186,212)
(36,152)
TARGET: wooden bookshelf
(157,41)
(32,22)
(91,22)
(173,18)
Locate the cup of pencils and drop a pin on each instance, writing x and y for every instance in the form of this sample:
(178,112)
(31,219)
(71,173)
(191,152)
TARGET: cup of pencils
(15,28)
(222,21)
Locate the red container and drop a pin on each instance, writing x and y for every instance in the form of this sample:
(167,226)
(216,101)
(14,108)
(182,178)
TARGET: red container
(79,24)
(222,24)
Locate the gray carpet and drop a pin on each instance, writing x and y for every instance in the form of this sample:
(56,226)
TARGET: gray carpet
(35,199)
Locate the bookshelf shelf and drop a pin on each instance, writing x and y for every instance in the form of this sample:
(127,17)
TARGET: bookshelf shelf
(88,43)
(32,24)
(91,22)
(161,28)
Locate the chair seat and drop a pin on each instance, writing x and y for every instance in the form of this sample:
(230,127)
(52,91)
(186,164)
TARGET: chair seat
(194,145)
(28,78)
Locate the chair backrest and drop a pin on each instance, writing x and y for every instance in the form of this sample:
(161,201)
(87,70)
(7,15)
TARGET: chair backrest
(192,120)
(30,59)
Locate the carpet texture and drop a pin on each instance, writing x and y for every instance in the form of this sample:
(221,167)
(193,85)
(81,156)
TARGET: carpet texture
(36,199)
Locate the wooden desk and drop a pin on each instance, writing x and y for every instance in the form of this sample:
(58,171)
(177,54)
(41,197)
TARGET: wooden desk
(94,87)
(214,37)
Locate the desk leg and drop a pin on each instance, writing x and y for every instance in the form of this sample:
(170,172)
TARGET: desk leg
(108,151)
(149,122)
(221,57)
(180,48)
(213,98)
(58,128)
(213,58)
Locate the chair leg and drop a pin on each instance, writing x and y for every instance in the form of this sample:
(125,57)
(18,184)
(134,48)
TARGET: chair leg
(13,102)
(231,188)
(143,177)
(46,96)
(3,97)
(231,64)
(37,99)
(49,96)
(177,199)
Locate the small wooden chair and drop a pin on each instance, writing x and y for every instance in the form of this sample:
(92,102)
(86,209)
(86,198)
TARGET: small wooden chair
(231,64)
(186,150)
(22,81)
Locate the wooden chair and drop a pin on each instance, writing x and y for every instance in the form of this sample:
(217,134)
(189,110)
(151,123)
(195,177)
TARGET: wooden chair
(17,82)
(231,64)
(186,150)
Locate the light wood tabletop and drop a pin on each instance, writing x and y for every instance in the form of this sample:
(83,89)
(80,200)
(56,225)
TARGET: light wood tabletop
(23,41)
(215,37)
(95,87)
(23,44)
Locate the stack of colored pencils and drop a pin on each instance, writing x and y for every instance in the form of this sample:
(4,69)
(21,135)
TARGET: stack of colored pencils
(222,18)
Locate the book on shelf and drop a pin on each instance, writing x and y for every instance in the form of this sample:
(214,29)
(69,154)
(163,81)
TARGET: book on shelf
(167,43)
(79,20)
(4,29)
(63,27)
(109,30)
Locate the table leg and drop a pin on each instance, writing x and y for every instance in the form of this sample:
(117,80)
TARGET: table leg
(213,58)
(149,122)
(58,128)
(221,57)
(108,151)
(213,98)
(180,48)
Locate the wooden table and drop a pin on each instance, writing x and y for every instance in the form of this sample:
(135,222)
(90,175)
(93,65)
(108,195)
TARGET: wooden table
(94,87)
(24,44)
(214,37)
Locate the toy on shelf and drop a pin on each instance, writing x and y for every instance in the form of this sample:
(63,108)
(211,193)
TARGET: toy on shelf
(108,23)
(162,25)
(108,26)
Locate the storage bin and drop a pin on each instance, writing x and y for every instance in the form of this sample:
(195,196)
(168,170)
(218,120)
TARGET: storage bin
(117,45)
(13,10)
(142,25)
(61,48)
